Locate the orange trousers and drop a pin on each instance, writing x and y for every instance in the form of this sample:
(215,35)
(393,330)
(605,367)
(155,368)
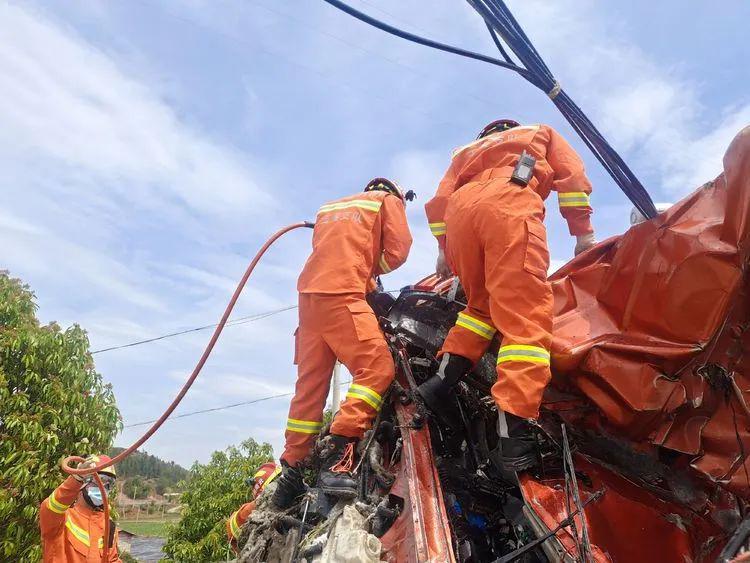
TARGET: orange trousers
(496,243)
(331,327)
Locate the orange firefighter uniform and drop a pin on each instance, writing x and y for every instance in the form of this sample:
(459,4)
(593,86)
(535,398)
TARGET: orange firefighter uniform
(355,238)
(265,474)
(493,235)
(72,531)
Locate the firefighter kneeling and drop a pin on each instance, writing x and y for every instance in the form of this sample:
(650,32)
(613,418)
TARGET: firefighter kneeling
(355,239)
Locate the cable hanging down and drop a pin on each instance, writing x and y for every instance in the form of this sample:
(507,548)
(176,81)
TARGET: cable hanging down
(503,25)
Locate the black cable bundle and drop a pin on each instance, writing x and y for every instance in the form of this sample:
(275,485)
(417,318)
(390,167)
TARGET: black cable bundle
(503,25)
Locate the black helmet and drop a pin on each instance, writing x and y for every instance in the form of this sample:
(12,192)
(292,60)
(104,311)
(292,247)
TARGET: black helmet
(386,185)
(497,126)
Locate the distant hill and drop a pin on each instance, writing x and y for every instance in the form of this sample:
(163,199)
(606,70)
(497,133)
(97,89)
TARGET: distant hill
(149,467)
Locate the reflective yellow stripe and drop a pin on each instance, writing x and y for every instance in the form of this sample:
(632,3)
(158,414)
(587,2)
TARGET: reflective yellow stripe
(573,199)
(369,396)
(476,326)
(367,204)
(303,426)
(523,353)
(55,505)
(384,265)
(81,534)
(437,229)
(276,473)
(234,526)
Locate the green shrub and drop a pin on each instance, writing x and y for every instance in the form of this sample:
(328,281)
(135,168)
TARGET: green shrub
(52,404)
(212,492)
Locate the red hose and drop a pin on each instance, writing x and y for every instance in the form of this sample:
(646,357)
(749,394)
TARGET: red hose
(66,463)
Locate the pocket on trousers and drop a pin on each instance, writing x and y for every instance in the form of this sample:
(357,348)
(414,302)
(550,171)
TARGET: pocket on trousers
(365,322)
(296,346)
(536,256)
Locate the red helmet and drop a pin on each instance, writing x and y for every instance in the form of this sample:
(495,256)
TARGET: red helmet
(386,185)
(497,126)
(99,459)
(265,474)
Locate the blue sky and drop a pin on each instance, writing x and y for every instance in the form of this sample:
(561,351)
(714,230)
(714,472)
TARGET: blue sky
(148,148)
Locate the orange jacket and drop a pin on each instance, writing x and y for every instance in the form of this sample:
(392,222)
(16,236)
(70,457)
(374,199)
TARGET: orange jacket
(72,533)
(237,520)
(558,167)
(356,238)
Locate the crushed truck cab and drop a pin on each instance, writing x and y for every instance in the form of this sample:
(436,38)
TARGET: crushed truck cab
(644,430)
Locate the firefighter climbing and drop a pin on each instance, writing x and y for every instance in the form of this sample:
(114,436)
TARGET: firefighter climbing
(355,239)
(487,216)
(265,475)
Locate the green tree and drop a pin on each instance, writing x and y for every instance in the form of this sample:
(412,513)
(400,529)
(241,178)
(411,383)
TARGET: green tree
(149,466)
(212,493)
(52,404)
(137,488)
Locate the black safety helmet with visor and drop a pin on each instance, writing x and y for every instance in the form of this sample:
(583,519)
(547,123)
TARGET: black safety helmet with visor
(498,126)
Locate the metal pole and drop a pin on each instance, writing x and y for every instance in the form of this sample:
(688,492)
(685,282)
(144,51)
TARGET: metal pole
(336,393)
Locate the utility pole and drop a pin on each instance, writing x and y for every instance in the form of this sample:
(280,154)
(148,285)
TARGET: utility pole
(336,393)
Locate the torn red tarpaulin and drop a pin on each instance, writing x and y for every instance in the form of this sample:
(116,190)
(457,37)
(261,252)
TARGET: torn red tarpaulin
(651,327)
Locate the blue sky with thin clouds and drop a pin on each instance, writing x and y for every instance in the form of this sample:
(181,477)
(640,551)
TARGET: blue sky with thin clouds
(148,148)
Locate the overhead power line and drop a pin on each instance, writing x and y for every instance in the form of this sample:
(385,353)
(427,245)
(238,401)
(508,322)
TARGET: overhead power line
(238,321)
(221,408)
(233,405)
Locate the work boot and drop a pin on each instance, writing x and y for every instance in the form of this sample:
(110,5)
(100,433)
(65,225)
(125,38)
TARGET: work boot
(438,389)
(335,476)
(517,448)
(289,487)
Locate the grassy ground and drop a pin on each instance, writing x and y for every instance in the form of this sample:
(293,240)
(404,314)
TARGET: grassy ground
(151,528)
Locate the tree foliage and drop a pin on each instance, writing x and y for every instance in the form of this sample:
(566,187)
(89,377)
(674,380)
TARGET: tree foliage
(52,404)
(211,494)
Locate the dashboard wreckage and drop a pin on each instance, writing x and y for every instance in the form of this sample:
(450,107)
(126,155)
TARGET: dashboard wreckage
(644,433)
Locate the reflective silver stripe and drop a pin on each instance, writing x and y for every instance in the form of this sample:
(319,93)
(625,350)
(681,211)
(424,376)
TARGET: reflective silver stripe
(573,199)
(523,353)
(303,426)
(438,229)
(367,204)
(369,396)
(476,326)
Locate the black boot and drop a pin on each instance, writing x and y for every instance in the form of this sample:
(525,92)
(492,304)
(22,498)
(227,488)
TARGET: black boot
(289,487)
(438,389)
(517,449)
(336,468)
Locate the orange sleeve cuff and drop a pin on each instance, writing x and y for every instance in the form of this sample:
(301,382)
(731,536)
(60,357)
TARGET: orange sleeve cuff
(68,491)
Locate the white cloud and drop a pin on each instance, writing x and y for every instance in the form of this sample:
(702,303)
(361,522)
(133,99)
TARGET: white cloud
(128,217)
(68,103)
